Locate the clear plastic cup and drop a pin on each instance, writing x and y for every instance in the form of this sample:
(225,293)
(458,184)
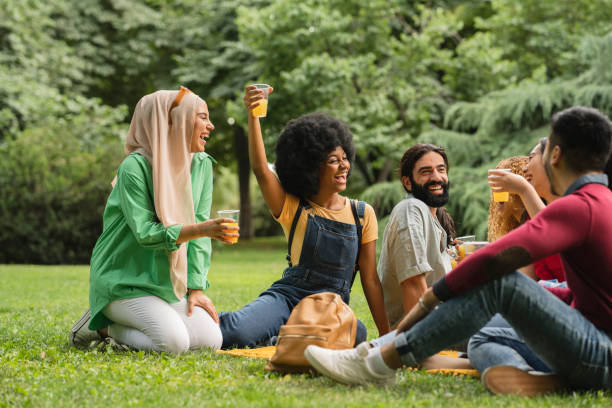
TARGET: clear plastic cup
(234,215)
(461,246)
(471,247)
(500,196)
(261,110)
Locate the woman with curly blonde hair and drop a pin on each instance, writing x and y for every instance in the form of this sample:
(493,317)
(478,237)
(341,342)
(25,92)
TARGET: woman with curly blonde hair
(506,216)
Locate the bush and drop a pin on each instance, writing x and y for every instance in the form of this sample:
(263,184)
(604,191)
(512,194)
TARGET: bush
(384,196)
(54,182)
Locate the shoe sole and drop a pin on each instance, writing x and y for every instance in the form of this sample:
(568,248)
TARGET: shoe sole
(78,325)
(323,370)
(511,380)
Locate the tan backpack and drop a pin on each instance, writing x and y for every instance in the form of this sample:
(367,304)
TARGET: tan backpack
(322,319)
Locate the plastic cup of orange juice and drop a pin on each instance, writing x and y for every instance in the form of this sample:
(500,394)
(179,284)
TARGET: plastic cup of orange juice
(461,245)
(471,247)
(500,196)
(261,110)
(233,214)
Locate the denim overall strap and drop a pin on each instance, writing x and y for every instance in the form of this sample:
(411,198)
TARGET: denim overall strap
(328,257)
(303,204)
(358,214)
(326,264)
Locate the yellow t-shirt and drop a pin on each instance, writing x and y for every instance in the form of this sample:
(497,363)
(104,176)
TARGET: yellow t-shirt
(345,215)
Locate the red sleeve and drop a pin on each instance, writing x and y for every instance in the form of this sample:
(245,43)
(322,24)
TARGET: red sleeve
(549,268)
(546,234)
(565,294)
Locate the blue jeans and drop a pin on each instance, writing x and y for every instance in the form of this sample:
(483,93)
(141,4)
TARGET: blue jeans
(560,336)
(498,344)
(260,320)
(327,262)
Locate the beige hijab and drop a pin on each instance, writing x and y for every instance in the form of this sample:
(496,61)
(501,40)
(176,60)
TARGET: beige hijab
(161,131)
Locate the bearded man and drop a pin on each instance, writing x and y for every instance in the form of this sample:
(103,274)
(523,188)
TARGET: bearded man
(419,230)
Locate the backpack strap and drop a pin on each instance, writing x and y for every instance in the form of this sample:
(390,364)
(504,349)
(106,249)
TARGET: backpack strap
(303,204)
(358,208)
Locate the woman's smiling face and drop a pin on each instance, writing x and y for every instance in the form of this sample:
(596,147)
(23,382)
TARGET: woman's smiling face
(535,173)
(334,171)
(201,129)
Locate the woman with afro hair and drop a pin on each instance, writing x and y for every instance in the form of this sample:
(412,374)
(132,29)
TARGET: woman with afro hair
(329,235)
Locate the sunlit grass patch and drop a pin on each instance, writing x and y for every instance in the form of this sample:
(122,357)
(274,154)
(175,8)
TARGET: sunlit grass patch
(39,304)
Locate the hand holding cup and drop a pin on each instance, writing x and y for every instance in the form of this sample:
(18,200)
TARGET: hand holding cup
(256,99)
(229,223)
(500,180)
(220,229)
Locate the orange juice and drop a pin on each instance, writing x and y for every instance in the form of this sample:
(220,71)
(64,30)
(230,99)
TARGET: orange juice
(501,197)
(453,262)
(261,109)
(232,240)
(461,252)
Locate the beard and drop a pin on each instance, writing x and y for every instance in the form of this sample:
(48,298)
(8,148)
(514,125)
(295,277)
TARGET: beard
(549,176)
(432,200)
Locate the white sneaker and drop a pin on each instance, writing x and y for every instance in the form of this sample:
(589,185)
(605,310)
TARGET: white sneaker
(80,335)
(346,366)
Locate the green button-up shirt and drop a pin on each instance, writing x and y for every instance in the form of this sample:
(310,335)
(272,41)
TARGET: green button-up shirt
(129,259)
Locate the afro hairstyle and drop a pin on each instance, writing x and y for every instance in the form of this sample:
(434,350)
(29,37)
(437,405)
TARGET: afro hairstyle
(303,147)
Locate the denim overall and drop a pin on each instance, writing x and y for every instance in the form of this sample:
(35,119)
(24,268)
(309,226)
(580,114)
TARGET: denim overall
(326,264)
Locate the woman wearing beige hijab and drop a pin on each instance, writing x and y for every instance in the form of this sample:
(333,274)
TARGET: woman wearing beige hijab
(149,266)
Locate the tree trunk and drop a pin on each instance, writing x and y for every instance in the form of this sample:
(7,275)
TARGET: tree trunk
(363,168)
(241,149)
(384,172)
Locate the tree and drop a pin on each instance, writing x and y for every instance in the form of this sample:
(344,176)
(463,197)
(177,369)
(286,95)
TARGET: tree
(357,61)
(215,61)
(479,78)
(507,123)
(54,180)
(545,33)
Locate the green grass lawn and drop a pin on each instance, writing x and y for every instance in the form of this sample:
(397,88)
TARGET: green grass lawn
(39,304)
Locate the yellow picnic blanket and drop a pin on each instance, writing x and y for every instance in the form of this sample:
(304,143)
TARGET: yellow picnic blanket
(265,353)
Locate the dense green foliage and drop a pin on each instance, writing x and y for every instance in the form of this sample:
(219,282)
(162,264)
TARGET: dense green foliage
(508,122)
(480,78)
(53,188)
(38,368)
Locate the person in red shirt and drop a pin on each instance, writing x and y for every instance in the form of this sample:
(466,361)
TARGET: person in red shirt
(573,340)
(497,342)
(534,191)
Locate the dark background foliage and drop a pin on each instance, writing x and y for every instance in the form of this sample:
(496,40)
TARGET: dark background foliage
(480,78)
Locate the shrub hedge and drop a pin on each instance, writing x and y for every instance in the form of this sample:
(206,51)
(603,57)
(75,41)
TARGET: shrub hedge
(53,188)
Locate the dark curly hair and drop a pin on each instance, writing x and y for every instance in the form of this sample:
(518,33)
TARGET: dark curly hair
(302,148)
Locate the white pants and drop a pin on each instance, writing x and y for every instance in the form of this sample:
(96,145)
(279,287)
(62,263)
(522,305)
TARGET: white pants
(151,324)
